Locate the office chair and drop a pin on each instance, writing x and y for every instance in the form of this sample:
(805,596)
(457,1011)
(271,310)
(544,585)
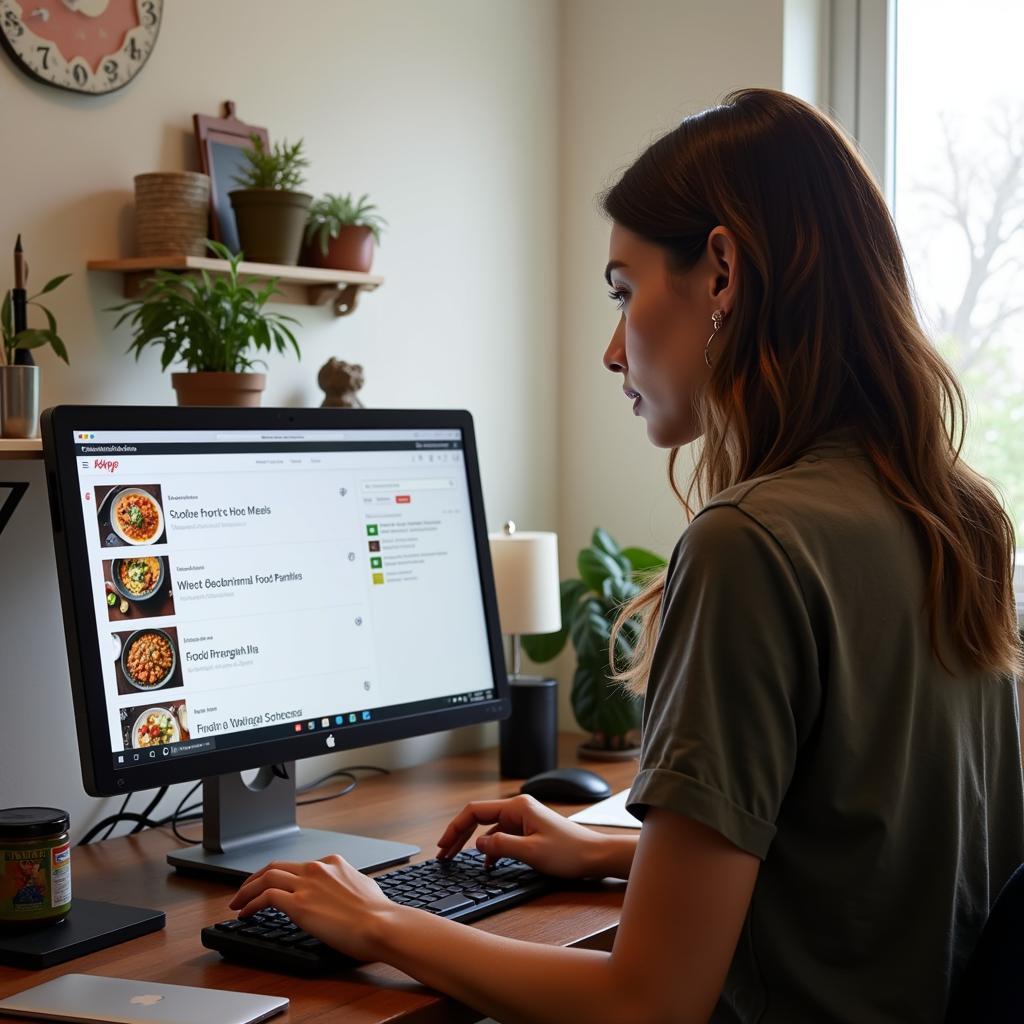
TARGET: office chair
(992,986)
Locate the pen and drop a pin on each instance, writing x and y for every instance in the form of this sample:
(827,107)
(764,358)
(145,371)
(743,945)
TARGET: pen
(19,303)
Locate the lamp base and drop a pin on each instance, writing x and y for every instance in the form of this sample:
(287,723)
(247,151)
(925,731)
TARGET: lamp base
(529,736)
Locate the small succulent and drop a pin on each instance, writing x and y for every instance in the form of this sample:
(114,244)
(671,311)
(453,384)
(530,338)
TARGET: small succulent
(330,212)
(279,167)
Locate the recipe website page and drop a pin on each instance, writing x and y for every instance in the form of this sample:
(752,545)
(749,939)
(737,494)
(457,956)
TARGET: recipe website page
(249,584)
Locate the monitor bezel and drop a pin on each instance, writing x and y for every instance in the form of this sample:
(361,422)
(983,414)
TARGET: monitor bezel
(81,630)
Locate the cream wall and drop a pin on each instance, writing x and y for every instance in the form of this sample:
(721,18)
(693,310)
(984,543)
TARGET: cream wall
(627,74)
(446,113)
(483,129)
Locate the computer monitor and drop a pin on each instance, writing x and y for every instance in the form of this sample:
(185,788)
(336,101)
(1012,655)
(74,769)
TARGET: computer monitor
(242,588)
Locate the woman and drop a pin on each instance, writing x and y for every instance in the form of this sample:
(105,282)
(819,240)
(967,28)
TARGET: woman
(830,782)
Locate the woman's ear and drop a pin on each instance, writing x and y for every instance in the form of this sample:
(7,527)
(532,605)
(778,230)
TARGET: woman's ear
(723,256)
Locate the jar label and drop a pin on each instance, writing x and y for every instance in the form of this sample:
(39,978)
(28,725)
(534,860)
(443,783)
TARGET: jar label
(60,875)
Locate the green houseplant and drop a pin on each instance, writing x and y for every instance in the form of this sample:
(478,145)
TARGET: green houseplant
(270,211)
(609,576)
(19,376)
(211,325)
(341,232)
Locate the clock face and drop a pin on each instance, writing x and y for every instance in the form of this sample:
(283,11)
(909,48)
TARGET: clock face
(89,46)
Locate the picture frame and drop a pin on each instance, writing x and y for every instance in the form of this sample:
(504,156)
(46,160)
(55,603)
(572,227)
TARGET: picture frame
(221,141)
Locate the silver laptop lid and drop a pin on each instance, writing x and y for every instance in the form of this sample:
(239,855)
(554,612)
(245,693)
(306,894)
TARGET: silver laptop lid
(91,999)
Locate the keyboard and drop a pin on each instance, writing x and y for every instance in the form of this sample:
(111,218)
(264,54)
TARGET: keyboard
(461,889)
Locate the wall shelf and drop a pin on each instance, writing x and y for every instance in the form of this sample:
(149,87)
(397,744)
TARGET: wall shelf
(16,448)
(309,285)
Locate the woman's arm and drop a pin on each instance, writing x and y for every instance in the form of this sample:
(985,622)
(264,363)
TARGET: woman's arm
(684,908)
(614,857)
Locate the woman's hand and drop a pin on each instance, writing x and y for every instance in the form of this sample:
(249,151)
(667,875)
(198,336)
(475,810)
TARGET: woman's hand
(327,898)
(527,830)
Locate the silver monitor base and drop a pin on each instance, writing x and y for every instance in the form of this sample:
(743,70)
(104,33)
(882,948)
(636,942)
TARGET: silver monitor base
(361,852)
(248,825)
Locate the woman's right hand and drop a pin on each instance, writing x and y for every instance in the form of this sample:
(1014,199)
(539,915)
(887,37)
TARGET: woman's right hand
(525,829)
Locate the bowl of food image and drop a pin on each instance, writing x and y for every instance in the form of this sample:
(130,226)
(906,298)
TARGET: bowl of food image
(155,727)
(148,659)
(137,579)
(136,516)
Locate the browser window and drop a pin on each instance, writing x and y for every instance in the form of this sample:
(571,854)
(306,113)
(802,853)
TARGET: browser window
(251,585)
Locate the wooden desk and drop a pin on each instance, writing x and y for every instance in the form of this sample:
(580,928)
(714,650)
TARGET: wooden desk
(412,805)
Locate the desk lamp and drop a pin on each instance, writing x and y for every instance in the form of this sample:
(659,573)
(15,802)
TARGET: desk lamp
(529,601)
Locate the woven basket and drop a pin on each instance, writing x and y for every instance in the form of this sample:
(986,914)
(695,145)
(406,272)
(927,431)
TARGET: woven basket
(172,210)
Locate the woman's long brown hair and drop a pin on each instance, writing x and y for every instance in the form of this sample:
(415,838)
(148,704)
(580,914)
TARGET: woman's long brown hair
(823,336)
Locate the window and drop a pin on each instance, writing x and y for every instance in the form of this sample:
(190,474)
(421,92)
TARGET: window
(958,200)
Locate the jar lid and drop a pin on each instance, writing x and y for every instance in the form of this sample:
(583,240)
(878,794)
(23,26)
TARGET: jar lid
(30,822)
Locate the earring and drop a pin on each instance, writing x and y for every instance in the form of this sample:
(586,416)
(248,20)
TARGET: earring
(716,318)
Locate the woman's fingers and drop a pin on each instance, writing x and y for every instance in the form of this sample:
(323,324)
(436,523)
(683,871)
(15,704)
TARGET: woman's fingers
(464,824)
(280,898)
(269,878)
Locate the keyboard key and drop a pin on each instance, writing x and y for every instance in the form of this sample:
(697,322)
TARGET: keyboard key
(448,904)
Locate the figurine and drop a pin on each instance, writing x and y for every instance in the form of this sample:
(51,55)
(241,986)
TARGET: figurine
(339,382)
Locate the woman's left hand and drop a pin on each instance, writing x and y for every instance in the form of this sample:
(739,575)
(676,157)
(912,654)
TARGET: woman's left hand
(327,898)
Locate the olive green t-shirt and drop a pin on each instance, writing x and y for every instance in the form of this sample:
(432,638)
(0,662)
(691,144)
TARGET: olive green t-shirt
(796,707)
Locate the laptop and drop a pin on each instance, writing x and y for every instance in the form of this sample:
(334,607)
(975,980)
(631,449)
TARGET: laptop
(91,999)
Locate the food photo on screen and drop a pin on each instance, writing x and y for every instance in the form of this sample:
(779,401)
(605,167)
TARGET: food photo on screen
(130,516)
(146,659)
(137,586)
(156,724)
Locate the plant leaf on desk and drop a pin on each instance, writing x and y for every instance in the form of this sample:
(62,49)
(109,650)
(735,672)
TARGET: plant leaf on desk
(54,282)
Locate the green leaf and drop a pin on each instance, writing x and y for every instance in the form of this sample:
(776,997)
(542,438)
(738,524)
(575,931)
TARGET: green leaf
(602,541)
(642,560)
(54,282)
(30,338)
(594,566)
(7,317)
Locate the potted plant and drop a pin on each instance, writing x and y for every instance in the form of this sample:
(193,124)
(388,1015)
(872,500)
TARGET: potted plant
(19,379)
(340,233)
(211,325)
(609,577)
(269,211)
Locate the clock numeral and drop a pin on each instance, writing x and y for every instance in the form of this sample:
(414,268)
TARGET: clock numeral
(79,74)
(13,27)
(45,51)
(132,47)
(110,70)
(150,13)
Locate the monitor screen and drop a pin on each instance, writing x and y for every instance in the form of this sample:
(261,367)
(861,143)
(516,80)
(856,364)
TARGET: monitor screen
(243,587)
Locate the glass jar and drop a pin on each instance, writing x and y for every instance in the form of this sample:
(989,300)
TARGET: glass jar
(35,867)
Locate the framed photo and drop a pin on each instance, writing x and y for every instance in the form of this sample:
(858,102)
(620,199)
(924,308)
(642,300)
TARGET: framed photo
(221,141)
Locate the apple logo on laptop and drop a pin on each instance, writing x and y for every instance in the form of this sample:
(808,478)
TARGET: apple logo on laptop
(330,739)
(146,1000)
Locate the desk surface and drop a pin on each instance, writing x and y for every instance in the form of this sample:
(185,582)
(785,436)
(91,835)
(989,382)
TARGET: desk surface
(412,805)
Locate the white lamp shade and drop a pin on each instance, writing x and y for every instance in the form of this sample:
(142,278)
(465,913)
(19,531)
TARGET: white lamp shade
(526,580)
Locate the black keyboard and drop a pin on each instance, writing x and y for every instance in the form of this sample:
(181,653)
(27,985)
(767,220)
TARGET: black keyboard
(461,889)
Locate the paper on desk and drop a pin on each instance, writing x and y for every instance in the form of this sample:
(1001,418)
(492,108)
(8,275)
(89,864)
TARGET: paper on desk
(611,811)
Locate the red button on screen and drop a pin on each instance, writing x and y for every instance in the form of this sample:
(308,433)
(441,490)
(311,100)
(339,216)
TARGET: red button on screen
(403,499)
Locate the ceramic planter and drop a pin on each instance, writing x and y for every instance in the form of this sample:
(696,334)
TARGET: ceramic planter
(351,250)
(211,388)
(19,401)
(270,223)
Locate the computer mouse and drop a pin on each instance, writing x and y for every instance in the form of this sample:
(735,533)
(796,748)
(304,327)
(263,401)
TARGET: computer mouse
(567,786)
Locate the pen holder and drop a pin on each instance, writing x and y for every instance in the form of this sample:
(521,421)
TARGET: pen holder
(19,401)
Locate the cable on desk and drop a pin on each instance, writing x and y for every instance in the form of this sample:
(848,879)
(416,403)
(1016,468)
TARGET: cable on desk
(183,815)
(150,808)
(117,817)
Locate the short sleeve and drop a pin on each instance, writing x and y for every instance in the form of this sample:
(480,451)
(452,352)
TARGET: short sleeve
(733,688)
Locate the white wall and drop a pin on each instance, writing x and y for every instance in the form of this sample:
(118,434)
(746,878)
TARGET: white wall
(628,73)
(445,113)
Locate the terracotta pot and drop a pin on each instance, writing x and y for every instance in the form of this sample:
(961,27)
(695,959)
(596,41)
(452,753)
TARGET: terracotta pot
(270,223)
(351,250)
(219,388)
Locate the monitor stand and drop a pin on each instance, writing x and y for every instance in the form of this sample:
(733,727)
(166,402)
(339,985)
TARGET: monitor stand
(248,825)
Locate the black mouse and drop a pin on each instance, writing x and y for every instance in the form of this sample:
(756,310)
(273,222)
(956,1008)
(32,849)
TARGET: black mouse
(567,786)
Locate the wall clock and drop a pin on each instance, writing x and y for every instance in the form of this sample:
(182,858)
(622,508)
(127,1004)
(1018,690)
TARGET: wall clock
(86,46)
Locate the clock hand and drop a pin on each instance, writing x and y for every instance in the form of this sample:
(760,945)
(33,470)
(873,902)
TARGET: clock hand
(90,8)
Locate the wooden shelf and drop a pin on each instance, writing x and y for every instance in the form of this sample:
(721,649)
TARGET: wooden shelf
(309,285)
(16,448)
